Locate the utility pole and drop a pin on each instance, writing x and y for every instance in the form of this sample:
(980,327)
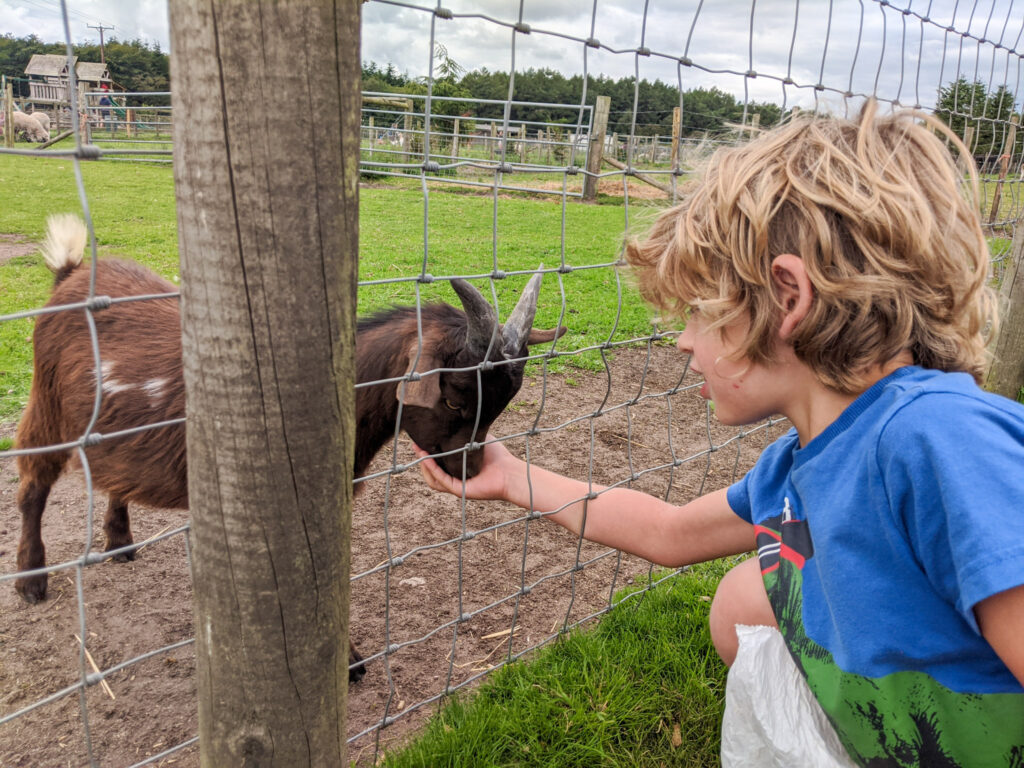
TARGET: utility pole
(100,27)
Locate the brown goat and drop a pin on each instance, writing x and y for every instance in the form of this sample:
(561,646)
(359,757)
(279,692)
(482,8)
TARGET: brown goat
(142,383)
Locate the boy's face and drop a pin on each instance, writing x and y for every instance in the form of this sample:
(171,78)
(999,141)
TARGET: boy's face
(742,392)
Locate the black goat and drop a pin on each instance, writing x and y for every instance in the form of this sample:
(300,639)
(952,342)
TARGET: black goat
(142,383)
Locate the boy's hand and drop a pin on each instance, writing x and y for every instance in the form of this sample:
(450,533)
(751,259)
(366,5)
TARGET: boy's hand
(490,483)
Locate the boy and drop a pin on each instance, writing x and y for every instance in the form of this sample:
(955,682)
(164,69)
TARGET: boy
(833,271)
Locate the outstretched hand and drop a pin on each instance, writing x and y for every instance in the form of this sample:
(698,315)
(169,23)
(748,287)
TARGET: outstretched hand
(490,483)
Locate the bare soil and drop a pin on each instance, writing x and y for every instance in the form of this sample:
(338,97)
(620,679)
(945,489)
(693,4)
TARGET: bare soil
(142,606)
(12,246)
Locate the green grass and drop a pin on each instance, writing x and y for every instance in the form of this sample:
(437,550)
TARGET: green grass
(133,210)
(644,687)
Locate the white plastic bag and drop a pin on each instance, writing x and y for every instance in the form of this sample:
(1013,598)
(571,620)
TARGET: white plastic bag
(771,717)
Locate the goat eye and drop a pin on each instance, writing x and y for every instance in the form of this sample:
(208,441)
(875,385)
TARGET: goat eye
(450,405)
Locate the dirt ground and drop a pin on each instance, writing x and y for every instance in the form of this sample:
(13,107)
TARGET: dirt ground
(135,608)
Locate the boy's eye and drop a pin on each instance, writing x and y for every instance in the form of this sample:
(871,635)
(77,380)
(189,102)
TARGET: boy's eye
(450,405)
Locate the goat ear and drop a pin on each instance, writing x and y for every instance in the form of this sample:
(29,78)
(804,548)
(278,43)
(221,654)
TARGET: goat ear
(538,336)
(426,391)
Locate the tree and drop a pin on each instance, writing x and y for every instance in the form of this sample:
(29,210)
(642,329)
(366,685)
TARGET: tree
(962,105)
(447,68)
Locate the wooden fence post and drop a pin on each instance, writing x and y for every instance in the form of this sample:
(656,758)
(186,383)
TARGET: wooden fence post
(595,149)
(8,116)
(1004,166)
(1005,375)
(968,142)
(676,130)
(268,241)
(455,140)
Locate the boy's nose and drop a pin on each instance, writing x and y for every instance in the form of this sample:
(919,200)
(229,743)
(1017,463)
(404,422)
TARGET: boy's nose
(684,341)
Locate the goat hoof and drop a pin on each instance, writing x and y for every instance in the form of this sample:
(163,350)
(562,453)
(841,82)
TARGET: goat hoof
(356,673)
(32,588)
(121,557)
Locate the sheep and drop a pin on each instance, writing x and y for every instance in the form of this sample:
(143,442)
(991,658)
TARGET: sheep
(142,383)
(43,118)
(25,123)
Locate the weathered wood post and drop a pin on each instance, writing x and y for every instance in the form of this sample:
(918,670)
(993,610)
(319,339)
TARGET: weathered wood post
(1005,375)
(455,140)
(268,238)
(595,149)
(84,115)
(676,130)
(407,142)
(969,143)
(1004,166)
(8,116)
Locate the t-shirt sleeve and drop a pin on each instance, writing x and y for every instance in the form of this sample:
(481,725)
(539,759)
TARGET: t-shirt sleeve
(957,492)
(769,471)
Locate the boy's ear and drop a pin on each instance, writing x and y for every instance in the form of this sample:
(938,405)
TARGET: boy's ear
(794,289)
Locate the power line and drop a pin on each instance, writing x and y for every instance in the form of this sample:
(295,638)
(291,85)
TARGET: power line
(54,7)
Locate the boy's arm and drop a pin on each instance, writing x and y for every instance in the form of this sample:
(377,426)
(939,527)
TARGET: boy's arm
(1001,621)
(623,518)
(643,525)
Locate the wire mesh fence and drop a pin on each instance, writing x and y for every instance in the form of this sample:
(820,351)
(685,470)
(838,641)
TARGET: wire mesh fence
(445,591)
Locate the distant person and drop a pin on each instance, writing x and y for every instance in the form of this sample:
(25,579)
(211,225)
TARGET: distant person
(834,271)
(105,104)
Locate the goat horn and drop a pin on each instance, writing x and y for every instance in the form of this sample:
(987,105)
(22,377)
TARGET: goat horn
(521,320)
(480,315)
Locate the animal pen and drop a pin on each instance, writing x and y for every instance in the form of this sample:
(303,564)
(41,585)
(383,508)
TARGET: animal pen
(286,562)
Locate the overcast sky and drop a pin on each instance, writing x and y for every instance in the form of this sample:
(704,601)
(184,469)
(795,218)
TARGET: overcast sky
(854,45)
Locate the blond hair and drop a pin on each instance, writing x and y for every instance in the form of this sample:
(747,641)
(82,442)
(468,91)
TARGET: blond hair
(876,209)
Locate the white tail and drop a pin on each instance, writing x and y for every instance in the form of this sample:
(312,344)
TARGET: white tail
(65,241)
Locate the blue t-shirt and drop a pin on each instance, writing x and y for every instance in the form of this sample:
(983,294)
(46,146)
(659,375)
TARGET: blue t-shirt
(876,540)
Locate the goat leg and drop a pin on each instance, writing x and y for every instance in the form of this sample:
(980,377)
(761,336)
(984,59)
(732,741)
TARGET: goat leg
(118,529)
(31,552)
(356,669)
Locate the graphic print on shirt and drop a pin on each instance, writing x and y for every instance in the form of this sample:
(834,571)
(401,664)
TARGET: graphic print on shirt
(901,719)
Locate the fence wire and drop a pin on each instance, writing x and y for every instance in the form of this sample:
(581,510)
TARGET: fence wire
(421,649)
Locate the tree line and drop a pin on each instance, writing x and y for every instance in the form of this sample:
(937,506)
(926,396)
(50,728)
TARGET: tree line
(702,109)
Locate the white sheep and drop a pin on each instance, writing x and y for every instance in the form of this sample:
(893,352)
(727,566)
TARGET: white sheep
(43,118)
(25,123)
